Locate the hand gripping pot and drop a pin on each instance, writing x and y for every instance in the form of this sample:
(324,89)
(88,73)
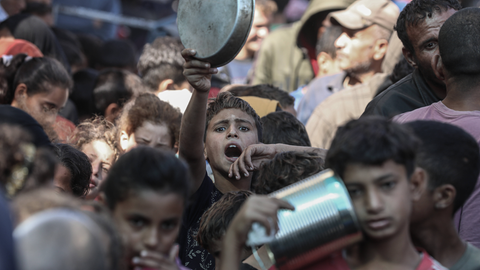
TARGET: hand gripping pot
(323,222)
(216,29)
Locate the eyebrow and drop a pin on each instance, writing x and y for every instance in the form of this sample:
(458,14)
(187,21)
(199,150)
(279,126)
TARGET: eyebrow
(238,120)
(376,180)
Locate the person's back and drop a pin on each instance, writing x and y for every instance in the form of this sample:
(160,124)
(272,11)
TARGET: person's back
(451,172)
(457,64)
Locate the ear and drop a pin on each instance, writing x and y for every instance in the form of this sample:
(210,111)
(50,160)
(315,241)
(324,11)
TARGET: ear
(324,61)
(124,140)
(111,112)
(437,66)
(418,183)
(166,84)
(444,196)
(20,93)
(409,57)
(381,47)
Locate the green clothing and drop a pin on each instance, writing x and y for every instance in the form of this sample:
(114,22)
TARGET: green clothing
(284,59)
(469,261)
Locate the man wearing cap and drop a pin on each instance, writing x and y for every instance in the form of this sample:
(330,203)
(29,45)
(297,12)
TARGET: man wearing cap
(367,27)
(417,27)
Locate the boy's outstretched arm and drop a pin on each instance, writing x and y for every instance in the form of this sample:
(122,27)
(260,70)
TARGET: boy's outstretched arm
(255,155)
(256,209)
(192,130)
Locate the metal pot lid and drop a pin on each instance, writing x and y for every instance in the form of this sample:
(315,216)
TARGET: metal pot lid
(216,29)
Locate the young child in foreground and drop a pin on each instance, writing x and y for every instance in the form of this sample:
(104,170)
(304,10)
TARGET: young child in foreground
(147,190)
(376,160)
(218,134)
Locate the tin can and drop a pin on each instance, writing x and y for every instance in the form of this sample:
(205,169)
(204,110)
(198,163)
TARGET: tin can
(323,222)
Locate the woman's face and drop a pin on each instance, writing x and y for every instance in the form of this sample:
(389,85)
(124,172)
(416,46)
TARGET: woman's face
(44,106)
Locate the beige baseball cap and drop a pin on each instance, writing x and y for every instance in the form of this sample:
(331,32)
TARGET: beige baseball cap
(364,13)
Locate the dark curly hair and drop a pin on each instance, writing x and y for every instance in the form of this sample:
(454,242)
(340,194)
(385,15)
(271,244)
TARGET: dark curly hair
(78,165)
(148,107)
(96,129)
(162,60)
(285,169)
(416,12)
(226,100)
(217,218)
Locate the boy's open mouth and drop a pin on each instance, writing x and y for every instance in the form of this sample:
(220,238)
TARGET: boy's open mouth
(232,152)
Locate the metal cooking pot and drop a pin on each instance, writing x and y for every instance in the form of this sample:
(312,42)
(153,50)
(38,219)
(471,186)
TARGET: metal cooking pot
(216,29)
(323,222)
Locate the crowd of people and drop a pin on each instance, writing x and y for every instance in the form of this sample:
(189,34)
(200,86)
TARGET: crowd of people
(111,160)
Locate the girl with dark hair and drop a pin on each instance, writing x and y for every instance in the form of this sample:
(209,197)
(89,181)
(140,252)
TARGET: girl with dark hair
(37,85)
(147,190)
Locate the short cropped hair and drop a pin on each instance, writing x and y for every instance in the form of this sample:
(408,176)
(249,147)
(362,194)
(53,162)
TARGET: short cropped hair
(162,60)
(326,43)
(78,165)
(146,168)
(450,156)
(263,91)
(458,42)
(372,141)
(283,127)
(115,86)
(285,169)
(148,107)
(416,12)
(226,100)
(217,218)
(118,53)
(96,129)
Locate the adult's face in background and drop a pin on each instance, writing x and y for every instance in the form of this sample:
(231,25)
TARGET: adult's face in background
(260,29)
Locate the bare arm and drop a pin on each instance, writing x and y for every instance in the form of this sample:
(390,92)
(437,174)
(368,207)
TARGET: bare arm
(191,145)
(255,155)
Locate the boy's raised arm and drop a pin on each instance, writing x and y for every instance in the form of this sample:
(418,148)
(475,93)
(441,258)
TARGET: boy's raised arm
(191,146)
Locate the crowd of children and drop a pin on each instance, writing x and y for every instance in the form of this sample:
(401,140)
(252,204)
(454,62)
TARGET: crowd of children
(104,169)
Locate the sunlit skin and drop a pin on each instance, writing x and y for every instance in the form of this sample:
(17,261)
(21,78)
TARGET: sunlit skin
(259,30)
(148,134)
(355,49)
(44,106)
(229,126)
(424,39)
(149,221)
(62,179)
(102,157)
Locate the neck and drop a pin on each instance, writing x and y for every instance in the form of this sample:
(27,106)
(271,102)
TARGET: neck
(462,96)
(243,54)
(359,78)
(438,236)
(226,184)
(397,250)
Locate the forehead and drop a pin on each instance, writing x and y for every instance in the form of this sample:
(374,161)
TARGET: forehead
(429,27)
(357,173)
(55,94)
(152,203)
(100,149)
(231,115)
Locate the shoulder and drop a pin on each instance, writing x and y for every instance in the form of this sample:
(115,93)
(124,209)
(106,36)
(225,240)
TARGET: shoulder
(470,259)
(429,263)
(418,114)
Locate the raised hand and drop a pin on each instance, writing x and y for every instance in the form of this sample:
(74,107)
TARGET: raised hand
(198,73)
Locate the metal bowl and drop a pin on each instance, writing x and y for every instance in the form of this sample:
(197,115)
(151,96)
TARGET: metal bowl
(216,29)
(323,222)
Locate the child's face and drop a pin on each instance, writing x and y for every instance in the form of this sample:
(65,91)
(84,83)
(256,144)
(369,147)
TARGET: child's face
(148,134)
(148,220)
(381,196)
(102,157)
(228,134)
